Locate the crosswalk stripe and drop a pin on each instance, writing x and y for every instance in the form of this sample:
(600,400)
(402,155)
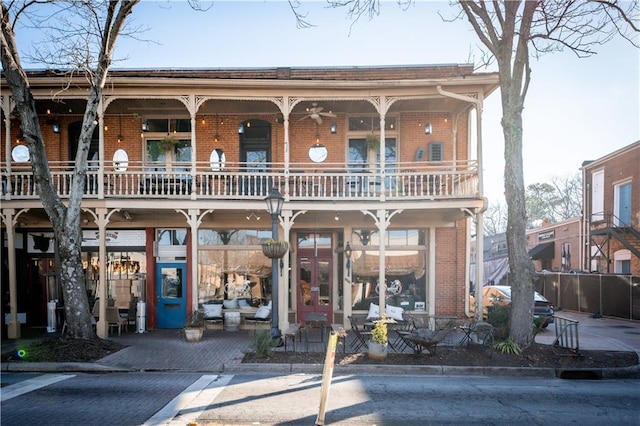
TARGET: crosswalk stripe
(194,400)
(30,385)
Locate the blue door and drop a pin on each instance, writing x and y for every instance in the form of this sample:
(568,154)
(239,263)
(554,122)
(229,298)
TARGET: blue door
(624,205)
(171,288)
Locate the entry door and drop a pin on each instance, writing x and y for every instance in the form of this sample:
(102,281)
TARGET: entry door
(255,153)
(171,288)
(315,287)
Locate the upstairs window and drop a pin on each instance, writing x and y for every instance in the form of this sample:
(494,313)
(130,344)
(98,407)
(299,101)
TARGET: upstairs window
(435,151)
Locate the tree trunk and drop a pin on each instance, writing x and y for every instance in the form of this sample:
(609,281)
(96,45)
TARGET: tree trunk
(76,301)
(520,264)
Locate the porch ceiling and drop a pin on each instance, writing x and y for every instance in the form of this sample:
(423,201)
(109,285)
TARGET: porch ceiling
(172,107)
(159,216)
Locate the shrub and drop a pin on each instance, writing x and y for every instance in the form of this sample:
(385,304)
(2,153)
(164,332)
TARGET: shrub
(262,343)
(499,316)
(508,347)
(379,333)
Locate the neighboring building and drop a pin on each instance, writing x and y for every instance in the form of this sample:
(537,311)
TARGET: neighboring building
(611,188)
(556,247)
(552,247)
(379,158)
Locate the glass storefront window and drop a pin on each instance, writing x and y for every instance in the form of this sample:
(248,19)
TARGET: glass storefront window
(125,272)
(241,272)
(210,237)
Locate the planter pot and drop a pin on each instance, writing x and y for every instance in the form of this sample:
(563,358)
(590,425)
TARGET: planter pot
(275,249)
(193,334)
(378,351)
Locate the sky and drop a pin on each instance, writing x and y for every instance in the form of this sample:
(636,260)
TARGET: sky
(577,109)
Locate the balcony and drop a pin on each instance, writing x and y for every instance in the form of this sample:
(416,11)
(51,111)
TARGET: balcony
(412,181)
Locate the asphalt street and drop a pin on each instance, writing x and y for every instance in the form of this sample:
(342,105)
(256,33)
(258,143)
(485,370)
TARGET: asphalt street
(180,398)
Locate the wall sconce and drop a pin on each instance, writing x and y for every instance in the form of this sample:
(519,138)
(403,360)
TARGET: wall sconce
(334,128)
(145,126)
(347,254)
(427,129)
(241,128)
(56,127)
(126,215)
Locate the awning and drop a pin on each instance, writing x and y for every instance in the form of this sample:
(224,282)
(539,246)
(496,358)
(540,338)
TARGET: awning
(542,251)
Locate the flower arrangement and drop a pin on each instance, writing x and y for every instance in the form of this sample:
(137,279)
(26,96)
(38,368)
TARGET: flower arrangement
(275,248)
(163,145)
(379,332)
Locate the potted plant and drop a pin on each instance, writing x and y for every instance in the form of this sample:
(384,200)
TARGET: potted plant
(373,141)
(194,328)
(275,248)
(160,147)
(379,339)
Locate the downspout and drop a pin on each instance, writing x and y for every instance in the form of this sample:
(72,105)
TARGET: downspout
(585,238)
(479,216)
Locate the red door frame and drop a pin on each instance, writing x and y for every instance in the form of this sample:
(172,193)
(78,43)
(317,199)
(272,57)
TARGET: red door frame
(315,284)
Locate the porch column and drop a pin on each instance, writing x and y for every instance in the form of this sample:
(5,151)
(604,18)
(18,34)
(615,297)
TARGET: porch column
(479,265)
(193,220)
(100,149)
(383,149)
(6,108)
(13,328)
(382,285)
(431,278)
(347,282)
(102,327)
(283,282)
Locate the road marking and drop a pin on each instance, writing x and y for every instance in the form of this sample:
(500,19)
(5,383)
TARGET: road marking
(194,400)
(30,385)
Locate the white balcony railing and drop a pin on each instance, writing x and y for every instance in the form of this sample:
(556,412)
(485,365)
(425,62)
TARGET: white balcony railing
(299,182)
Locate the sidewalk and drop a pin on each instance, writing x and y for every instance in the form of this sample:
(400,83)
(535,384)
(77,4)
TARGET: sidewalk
(220,351)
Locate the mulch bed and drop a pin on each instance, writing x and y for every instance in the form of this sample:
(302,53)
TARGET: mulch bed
(60,349)
(536,355)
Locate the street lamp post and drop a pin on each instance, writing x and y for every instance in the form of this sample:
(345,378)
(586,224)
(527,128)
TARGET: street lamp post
(274,207)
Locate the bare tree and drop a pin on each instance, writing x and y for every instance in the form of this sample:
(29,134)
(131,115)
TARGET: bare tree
(495,219)
(512,32)
(85,46)
(569,189)
(556,201)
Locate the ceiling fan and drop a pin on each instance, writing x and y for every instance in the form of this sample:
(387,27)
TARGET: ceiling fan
(315,113)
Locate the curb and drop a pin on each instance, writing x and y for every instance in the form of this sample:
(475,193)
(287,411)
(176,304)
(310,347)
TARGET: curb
(382,370)
(67,367)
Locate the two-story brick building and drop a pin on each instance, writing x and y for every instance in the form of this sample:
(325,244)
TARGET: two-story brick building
(380,159)
(611,224)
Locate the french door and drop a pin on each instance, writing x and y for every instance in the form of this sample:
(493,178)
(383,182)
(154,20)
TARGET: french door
(315,286)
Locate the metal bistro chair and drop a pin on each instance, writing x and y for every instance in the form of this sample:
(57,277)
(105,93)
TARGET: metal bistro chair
(484,334)
(403,330)
(362,336)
